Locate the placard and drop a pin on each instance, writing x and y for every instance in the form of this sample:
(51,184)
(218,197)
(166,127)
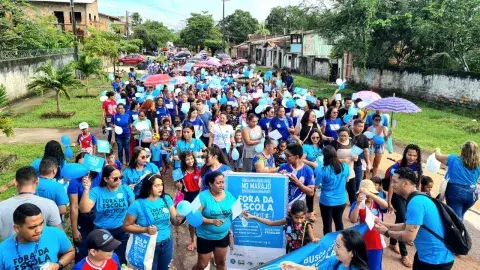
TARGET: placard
(103,146)
(93,163)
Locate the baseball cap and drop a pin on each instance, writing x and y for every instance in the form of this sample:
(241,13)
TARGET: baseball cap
(368,185)
(83,125)
(100,239)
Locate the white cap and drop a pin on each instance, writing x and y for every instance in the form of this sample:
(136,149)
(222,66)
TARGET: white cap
(83,125)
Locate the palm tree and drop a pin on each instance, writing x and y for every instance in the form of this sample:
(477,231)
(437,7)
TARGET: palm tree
(56,79)
(262,30)
(88,66)
(6,123)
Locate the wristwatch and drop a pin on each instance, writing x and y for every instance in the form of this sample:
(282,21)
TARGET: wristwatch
(60,265)
(387,234)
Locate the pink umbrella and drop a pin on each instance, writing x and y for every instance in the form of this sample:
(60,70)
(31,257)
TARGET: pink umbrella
(227,62)
(157,79)
(241,60)
(180,80)
(200,65)
(368,96)
(213,62)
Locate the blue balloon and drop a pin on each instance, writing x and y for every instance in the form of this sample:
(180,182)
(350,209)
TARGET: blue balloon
(174,81)
(213,100)
(243,89)
(342,86)
(104,93)
(36,164)
(378,139)
(195,219)
(69,152)
(156,93)
(73,171)
(290,103)
(171,87)
(352,111)
(65,140)
(263,101)
(246,73)
(200,86)
(184,208)
(225,87)
(223,100)
(347,118)
(222,83)
(160,87)
(390,145)
(141,100)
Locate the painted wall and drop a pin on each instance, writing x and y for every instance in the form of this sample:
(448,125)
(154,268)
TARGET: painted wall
(16,74)
(450,89)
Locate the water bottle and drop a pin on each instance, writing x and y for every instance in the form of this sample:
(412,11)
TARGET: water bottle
(124,267)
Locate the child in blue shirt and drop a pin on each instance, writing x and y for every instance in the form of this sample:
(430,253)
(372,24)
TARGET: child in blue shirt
(155,149)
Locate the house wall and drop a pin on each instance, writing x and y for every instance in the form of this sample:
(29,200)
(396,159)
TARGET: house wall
(447,88)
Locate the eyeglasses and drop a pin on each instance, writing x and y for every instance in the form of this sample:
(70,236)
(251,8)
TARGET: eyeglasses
(115,179)
(143,157)
(315,138)
(288,155)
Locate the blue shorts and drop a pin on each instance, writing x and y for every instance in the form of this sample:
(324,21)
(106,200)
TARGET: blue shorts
(375,259)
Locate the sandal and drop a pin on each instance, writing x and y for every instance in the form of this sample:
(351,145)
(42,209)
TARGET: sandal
(406,262)
(394,248)
(312,218)
(191,247)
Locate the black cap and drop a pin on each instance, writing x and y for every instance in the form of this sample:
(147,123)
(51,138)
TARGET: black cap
(102,240)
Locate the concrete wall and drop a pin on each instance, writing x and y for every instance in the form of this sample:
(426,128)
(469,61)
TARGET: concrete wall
(450,89)
(16,74)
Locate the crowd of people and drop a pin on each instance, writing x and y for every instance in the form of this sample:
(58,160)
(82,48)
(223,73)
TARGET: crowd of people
(243,124)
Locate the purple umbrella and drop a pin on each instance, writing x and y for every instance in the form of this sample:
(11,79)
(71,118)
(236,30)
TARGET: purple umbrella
(394,104)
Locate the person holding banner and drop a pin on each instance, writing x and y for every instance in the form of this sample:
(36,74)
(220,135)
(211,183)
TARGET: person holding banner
(213,234)
(153,213)
(110,203)
(333,179)
(350,253)
(301,176)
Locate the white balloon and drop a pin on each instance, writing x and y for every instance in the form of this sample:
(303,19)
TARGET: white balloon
(339,82)
(118,130)
(103,98)
(235,154)
(368,134)
(140,126)
(362,104)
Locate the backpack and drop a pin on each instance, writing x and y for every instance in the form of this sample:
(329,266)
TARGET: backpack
(456,237)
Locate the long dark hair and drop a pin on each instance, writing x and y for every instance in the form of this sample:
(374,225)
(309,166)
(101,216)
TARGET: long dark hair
(91,174)
(133,161)
(214,150)
(305,117)
(354,243)
(328,114)
(183,158)
(309,138)
(54,149)
(189,126)
(330,158)
(106,172)
(147,184)
(404,162)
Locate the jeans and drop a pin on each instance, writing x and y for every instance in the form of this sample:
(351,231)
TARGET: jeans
(350,186)
(123,144)
(358,176)
(460,198)
(419,265)
(121,236)
(332,212)
(163,254)
(399,204)
(84,226)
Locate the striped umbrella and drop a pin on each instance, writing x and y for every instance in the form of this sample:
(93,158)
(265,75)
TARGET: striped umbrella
(394,105)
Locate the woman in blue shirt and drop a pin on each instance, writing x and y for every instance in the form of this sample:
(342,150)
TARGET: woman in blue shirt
(123,120)
(215,161)
(153,212)
(331,124)
(197,123)
(162,112)
(464,177)
(350,253)
(282,123)
(213,234)
(190,144)
(138,167)
(333,179)
(312,150)
(109,202)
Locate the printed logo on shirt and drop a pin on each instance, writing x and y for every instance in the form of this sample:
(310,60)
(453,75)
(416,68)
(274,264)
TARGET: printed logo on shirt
(29,261)
(113,206)
(159,214)
(120,195)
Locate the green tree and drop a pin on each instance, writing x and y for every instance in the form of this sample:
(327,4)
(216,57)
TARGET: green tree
(56,79)
(6,122)
(200,27)
(154,34)
(239,25)
(89,66)
(136,18)
(291,18)
(262,30)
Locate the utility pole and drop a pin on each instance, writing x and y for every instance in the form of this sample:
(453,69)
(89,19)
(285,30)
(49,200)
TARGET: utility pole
(126,25)
(74,30)
(223,27)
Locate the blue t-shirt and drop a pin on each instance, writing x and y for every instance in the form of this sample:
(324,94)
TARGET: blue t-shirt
(221,169)
(334,263)
(282,126)
(111,206)
(333,185)
(156,152)
(76,186)
(369,120)
(116,85)
(162,112)
(196,145)
(132,176)
(304,175)
(50,189)
(158,213)
(132,114)
(264,124)
(197,124)
(332,126)
(422,211)
(312,152)
(206,118)
(459,174)
(267,162)
(171,106)
(53,242)
(110,264)
(132,74)
(123,121)
(215,210)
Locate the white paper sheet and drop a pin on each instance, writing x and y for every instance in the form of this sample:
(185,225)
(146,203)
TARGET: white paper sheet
(275,135)
(236,209)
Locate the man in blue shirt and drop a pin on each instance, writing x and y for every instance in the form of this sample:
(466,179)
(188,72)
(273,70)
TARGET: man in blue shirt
(289,81)
(421,211)
(117,84)
(49,188)
(34,246)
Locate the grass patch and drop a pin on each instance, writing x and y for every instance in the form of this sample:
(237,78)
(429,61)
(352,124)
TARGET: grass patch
(26,154)
(438,125)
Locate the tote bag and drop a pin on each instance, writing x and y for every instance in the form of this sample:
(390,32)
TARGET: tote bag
(141,247)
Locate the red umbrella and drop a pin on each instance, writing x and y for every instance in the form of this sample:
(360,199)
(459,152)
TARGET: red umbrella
(157,79)
(201,65)
(241,60)
(180,80)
